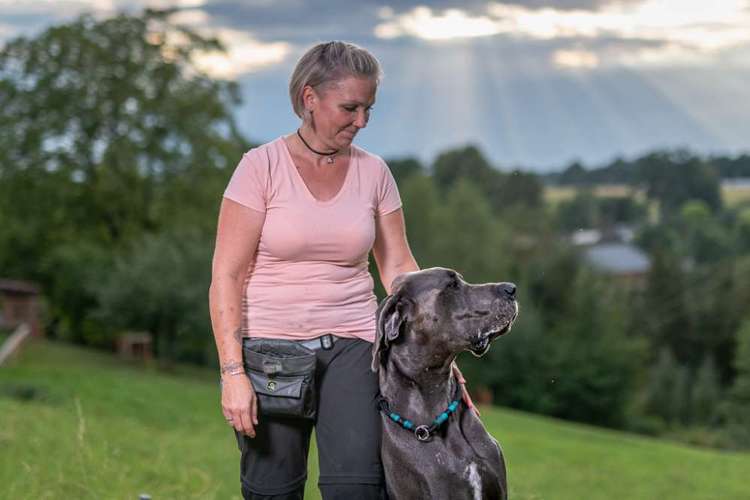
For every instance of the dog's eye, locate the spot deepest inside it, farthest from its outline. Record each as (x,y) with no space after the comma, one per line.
(453,283)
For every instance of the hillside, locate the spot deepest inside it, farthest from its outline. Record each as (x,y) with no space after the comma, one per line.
(76,423)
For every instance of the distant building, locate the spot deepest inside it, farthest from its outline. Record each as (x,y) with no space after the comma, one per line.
(586,237)
(135,345)
(611,252)
(20,304)
(735,182)
(621,233)
(623,260)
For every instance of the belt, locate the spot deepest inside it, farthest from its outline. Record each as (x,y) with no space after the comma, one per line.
(323,342)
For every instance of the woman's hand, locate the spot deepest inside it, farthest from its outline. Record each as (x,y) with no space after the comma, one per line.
(239,404)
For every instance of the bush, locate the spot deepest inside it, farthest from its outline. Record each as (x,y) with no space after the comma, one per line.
(161,286)
(706,394)
(666,393)
(737,410)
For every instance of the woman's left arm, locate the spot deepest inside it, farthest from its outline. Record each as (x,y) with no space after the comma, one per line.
(391,250)
(393,257)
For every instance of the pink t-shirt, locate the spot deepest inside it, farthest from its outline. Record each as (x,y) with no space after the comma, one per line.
(310,274)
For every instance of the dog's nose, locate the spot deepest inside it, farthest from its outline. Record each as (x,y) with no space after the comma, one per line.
(506,290)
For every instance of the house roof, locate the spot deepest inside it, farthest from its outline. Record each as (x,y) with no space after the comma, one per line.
(618,258)
(21,287)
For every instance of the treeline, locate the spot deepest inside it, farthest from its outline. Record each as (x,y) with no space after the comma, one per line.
(114,152)
(635,172)
(660,354)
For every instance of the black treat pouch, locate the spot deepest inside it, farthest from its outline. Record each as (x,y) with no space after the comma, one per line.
(282,373)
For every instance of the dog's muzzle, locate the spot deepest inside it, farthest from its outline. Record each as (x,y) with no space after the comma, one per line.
(481,343)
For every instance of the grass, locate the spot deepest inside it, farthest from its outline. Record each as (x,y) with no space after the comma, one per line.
(76,423)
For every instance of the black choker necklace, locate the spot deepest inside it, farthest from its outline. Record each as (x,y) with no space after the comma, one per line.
(329,155)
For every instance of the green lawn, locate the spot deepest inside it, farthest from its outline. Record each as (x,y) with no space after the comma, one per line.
(79,424)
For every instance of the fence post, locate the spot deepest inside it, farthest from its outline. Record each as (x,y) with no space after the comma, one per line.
(13,343)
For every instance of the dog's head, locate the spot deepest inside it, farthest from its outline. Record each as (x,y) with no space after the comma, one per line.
(437,307)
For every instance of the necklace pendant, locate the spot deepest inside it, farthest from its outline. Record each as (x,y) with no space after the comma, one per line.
(329,160)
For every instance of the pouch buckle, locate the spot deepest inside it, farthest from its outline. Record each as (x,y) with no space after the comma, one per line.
(271,366)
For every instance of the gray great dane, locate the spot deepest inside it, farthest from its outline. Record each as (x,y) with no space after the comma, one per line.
(434,448)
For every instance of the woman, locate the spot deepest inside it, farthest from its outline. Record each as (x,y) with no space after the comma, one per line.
(297,222)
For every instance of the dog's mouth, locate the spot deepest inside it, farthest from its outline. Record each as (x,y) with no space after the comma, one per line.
(481,343)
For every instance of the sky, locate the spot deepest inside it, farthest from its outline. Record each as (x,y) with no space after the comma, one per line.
(534,84)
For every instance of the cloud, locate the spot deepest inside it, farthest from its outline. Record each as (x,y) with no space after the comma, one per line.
(563,5)
(688,36)
(575,58)
(423,23)
(26,17)
(244,55)
(565,34)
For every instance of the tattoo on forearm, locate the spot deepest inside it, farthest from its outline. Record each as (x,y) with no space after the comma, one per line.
(238,335)
(229,367)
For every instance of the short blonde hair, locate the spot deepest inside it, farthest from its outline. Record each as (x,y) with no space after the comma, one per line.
(328,63)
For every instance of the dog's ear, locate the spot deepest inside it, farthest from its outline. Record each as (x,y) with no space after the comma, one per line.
(389,319)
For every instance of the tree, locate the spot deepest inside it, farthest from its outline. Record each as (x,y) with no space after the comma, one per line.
(421,213)
(550,275)
(470,239)
(707,240)
(580,212)
(500,189)
(422,218)
(593,360)
(107,132)
(666,321)
(517,366)
(706,394)
(673,178)
(742,231)
(107,115)
(738,407)
(160,285)
(403,168)
(621,209)
(666,394)
(518,188)
(575,173)
(465,163)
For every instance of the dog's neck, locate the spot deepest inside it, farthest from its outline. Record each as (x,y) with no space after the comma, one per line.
(421,391)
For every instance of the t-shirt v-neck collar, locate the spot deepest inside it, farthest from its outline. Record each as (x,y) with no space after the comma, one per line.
(304,184)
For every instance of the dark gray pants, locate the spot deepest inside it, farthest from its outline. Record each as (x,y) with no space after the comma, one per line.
(273,465)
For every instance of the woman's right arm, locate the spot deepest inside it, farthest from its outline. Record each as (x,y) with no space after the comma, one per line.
(237,235)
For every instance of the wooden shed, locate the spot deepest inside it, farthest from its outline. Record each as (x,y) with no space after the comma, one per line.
(19,303)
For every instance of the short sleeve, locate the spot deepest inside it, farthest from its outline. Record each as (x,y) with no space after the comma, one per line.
(388,196)
(249,184)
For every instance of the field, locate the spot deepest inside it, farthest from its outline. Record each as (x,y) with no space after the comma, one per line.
(75,423)
(556,194)
(731,195)
(735,194)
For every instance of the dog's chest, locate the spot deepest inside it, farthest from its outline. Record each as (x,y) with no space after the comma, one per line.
(469,473)
(434,470)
